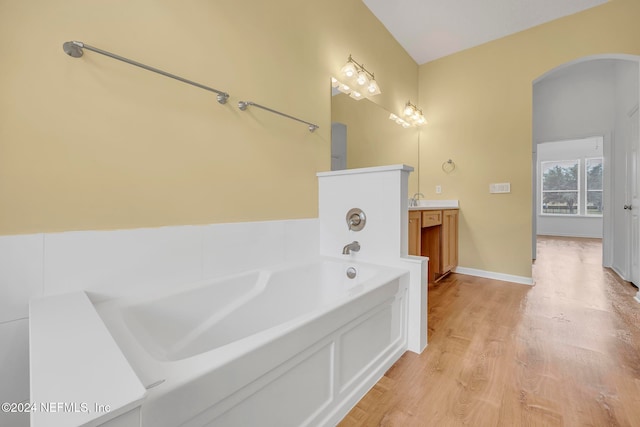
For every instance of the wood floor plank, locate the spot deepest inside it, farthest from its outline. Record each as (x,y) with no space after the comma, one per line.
(564,352)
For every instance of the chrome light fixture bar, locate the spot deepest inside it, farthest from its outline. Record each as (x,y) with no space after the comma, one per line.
(75,50)
(242,105)
(356,81)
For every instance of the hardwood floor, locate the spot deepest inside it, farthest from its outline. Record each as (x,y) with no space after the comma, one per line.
(565,352)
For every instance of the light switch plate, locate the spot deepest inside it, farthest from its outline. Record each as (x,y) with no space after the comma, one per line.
(503,187)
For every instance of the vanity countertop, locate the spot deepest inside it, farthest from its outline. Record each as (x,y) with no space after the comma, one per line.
(425,205)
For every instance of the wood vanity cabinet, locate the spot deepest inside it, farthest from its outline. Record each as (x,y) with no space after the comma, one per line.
(434,234)
(449,240)
(414,232)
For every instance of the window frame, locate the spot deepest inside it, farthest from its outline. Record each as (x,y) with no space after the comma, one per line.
(578,190)
(586,186)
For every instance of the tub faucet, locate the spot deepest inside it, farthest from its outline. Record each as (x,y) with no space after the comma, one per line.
(353,246)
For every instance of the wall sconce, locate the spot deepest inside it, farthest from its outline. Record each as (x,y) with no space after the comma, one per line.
(412,116)
(356,81)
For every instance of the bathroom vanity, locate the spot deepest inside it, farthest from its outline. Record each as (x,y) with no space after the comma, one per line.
(433,232)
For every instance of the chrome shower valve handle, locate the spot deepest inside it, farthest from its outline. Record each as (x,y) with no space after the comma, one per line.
(356,219)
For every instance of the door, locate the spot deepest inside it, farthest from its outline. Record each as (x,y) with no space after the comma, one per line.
(338,146)
(633,204)
(449,240)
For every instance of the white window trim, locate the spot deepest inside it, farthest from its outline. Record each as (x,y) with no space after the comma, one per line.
(542,191)
(586,187)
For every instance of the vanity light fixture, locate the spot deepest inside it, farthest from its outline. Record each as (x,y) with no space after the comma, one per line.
(356,81)
(399,120)
(356,95)
(412,116)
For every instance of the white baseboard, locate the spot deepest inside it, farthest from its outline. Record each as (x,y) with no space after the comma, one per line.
(619,273)
(493,275)
(578,235)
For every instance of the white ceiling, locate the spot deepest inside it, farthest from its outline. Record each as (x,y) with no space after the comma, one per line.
(431,29)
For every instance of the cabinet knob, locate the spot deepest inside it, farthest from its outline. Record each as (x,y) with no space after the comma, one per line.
(628,207)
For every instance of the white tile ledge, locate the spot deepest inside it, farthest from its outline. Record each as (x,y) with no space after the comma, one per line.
(74,361)
(400,167)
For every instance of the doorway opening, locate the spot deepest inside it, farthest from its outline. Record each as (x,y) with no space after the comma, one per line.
(591,96)
(570,195)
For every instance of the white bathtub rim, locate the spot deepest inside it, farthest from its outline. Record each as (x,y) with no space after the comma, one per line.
(179,372)
(227,353)
(142,295)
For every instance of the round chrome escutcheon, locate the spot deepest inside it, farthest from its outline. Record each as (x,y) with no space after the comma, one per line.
(352,272)
(356,219)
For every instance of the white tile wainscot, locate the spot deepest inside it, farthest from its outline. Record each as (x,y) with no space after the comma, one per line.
(14,370)
(21,270)
(114,263)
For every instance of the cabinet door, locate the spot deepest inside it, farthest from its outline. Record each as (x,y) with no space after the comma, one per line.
(415,230)
(449,240)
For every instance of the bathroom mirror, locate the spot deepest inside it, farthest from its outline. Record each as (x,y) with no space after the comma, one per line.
(363,136)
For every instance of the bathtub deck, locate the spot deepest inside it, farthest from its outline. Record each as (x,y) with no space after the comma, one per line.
(78,375)
(564,352)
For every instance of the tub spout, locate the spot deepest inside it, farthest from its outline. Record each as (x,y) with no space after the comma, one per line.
(353,246)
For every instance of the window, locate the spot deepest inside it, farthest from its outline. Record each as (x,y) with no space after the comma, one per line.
(562,192)
(593,178)
(561,187)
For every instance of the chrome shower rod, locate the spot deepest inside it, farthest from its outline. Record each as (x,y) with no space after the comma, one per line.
(244,104)
(75,49)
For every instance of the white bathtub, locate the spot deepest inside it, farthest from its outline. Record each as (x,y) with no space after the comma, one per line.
(290,346)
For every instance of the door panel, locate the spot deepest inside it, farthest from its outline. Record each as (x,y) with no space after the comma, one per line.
(634,187)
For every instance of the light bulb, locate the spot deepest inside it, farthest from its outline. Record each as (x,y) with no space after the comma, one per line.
(334,82)
(362,79)
(373,88)
(356,95)
(349,70)
(344,88)
(408,110)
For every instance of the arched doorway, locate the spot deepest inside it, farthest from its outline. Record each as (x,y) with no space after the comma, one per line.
(590,97)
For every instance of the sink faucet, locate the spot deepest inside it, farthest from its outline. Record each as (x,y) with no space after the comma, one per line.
(414,200)
(353,246)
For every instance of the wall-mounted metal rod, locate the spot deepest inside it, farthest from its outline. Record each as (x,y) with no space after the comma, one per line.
(244,104)
(74,49)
